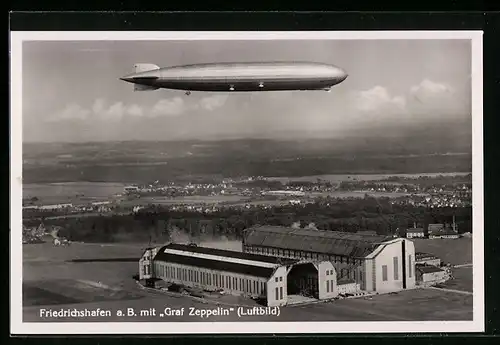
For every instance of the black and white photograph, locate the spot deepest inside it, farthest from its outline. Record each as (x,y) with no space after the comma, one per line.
(246,182)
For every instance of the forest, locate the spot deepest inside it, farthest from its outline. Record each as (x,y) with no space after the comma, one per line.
(156,223)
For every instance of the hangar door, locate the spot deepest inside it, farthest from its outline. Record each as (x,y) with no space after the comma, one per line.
(303,280)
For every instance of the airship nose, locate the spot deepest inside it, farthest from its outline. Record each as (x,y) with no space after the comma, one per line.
(337,74)
(342,75)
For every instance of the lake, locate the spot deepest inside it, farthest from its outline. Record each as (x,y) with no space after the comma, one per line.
(71,189)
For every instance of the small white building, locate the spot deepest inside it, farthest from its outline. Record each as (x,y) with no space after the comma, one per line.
(130,189)
(284,193)
(442,235)
(415,233)
(431,275)
(348,287)
(55,206)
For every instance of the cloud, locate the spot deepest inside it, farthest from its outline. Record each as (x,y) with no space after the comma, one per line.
(71,112)
(431,95)
(98,106)
(101,110)
(430,88)
(428,99)
(115,112)
(169,107)
(213,102)
(379,99)
(135,110)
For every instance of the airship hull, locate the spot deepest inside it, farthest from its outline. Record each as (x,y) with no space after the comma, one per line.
(241,77)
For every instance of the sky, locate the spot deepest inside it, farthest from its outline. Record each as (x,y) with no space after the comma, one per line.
(72,91)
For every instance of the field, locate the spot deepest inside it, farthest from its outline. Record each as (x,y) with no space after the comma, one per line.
(417,305)
(455,252)
(52,193)
(437,148)
(462,279)
(335,178)
(52,280)
(359,194)
(193,200)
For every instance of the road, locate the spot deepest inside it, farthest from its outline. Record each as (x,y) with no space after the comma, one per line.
(451,290)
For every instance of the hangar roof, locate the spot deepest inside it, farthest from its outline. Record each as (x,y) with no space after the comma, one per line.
(414,230)
(222,260)
(255,271)
(317,241)
(229,253)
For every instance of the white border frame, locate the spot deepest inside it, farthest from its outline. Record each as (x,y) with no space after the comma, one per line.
(20,327)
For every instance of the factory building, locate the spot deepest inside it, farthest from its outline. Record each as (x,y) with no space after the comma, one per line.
(427,259)
(437,231)
(374,263)
(428,275)
(271,279)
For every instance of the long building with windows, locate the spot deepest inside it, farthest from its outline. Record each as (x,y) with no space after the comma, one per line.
(375,263)
(272,279)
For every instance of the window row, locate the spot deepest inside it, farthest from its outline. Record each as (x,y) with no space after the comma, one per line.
(145,270)
(350,273)
(217,280)
(279,293)
(329,286)
(301,254)
(395,266)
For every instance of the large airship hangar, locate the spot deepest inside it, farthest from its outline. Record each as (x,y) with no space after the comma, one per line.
(279,265)
(237,77)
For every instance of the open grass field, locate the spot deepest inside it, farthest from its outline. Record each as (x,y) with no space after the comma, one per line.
(462,279)
(455,252)
(357,194)
(416,305)
(419,304)
(53,280)
(193,200)
(335,178)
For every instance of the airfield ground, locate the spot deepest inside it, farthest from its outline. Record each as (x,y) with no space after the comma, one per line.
(102,278)
(462,279)
(452,251)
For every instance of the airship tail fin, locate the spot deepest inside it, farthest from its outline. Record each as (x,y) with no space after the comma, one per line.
(144,67)
(139,87)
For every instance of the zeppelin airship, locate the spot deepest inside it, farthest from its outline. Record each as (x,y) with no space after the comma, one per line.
(237,77)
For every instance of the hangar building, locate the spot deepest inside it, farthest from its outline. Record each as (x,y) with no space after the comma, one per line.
(272,279)
(375,263)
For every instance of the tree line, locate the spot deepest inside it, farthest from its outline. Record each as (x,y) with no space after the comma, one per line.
(350,215)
